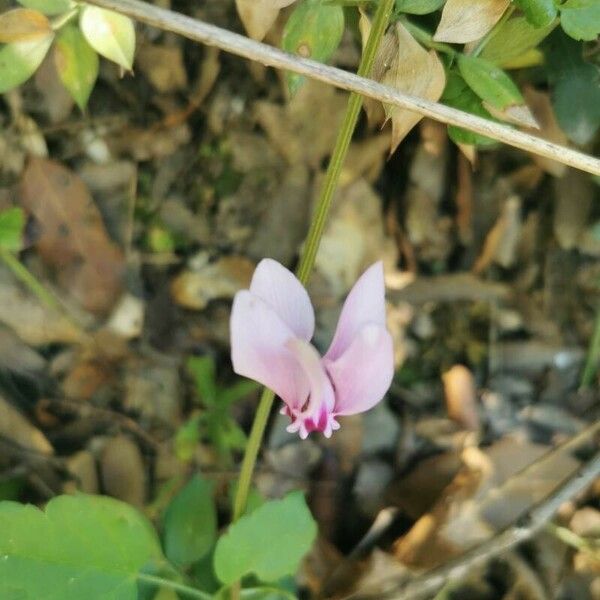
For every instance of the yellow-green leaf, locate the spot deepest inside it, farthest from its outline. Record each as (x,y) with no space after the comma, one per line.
(76,63)
(513,39)
(314,30)
(22,24)
(19,60)
(48,7)
(110,34)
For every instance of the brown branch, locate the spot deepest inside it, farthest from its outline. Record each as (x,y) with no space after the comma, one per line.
(242,46)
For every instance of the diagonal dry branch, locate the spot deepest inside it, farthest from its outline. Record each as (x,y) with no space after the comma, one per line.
(237,44)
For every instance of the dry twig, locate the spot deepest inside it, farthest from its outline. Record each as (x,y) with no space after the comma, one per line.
(242,46)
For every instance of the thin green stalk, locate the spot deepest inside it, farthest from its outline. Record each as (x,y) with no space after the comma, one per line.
(21,272)
(593,356)
(181,588)
(423,36)
(313,238)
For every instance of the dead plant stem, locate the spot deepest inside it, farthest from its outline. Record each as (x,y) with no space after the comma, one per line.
(242,46)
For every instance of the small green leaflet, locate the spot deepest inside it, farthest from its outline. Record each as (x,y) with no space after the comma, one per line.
(314,30)
(110,34)
(12,222)
(269,542)
(539,13)
(76,63)
(581,19)
(19,60)
(459,95)
(82,546)
(190,523)
(489,82)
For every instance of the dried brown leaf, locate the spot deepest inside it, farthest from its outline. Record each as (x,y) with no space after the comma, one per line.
(22,24)
(517,114)
(468,20)
(258,16)
(72,238)
(541,107)
(412,70)
(501,243)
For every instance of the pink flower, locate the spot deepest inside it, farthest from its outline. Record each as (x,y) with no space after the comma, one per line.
(271,327)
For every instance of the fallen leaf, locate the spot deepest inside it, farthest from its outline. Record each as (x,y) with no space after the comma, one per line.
(412,70)
(195,288)
(461,398)
(258,16)
(123,471)
(541,107)
(501,242)
(32,321)
(573,201)
(163,66)
(15,428)
(21,24)
(466,21)
(72,239)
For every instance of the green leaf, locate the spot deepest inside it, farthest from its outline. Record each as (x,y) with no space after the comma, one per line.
(12,223)
(110,34)
(489,82)
(576,101)
(187,438)
(77,64)
(418,7)
(203,370)
(270,542)
(313,30)
(576,91)
(512,39)
(540,13)
(88,547)
(190,523)
(581,19)
(459,95)
(19,60)
(48,7)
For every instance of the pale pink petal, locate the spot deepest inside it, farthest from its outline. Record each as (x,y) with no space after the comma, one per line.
(364,305)
(282,291)
(363,374)
(258,349)
(317,414)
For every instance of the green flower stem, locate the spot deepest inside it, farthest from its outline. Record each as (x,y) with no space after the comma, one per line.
(313,238)
(186,590)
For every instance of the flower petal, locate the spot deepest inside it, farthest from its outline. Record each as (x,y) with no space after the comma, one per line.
(258,349)
(282,291)
(364,305)
(317,414)
(363,374)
